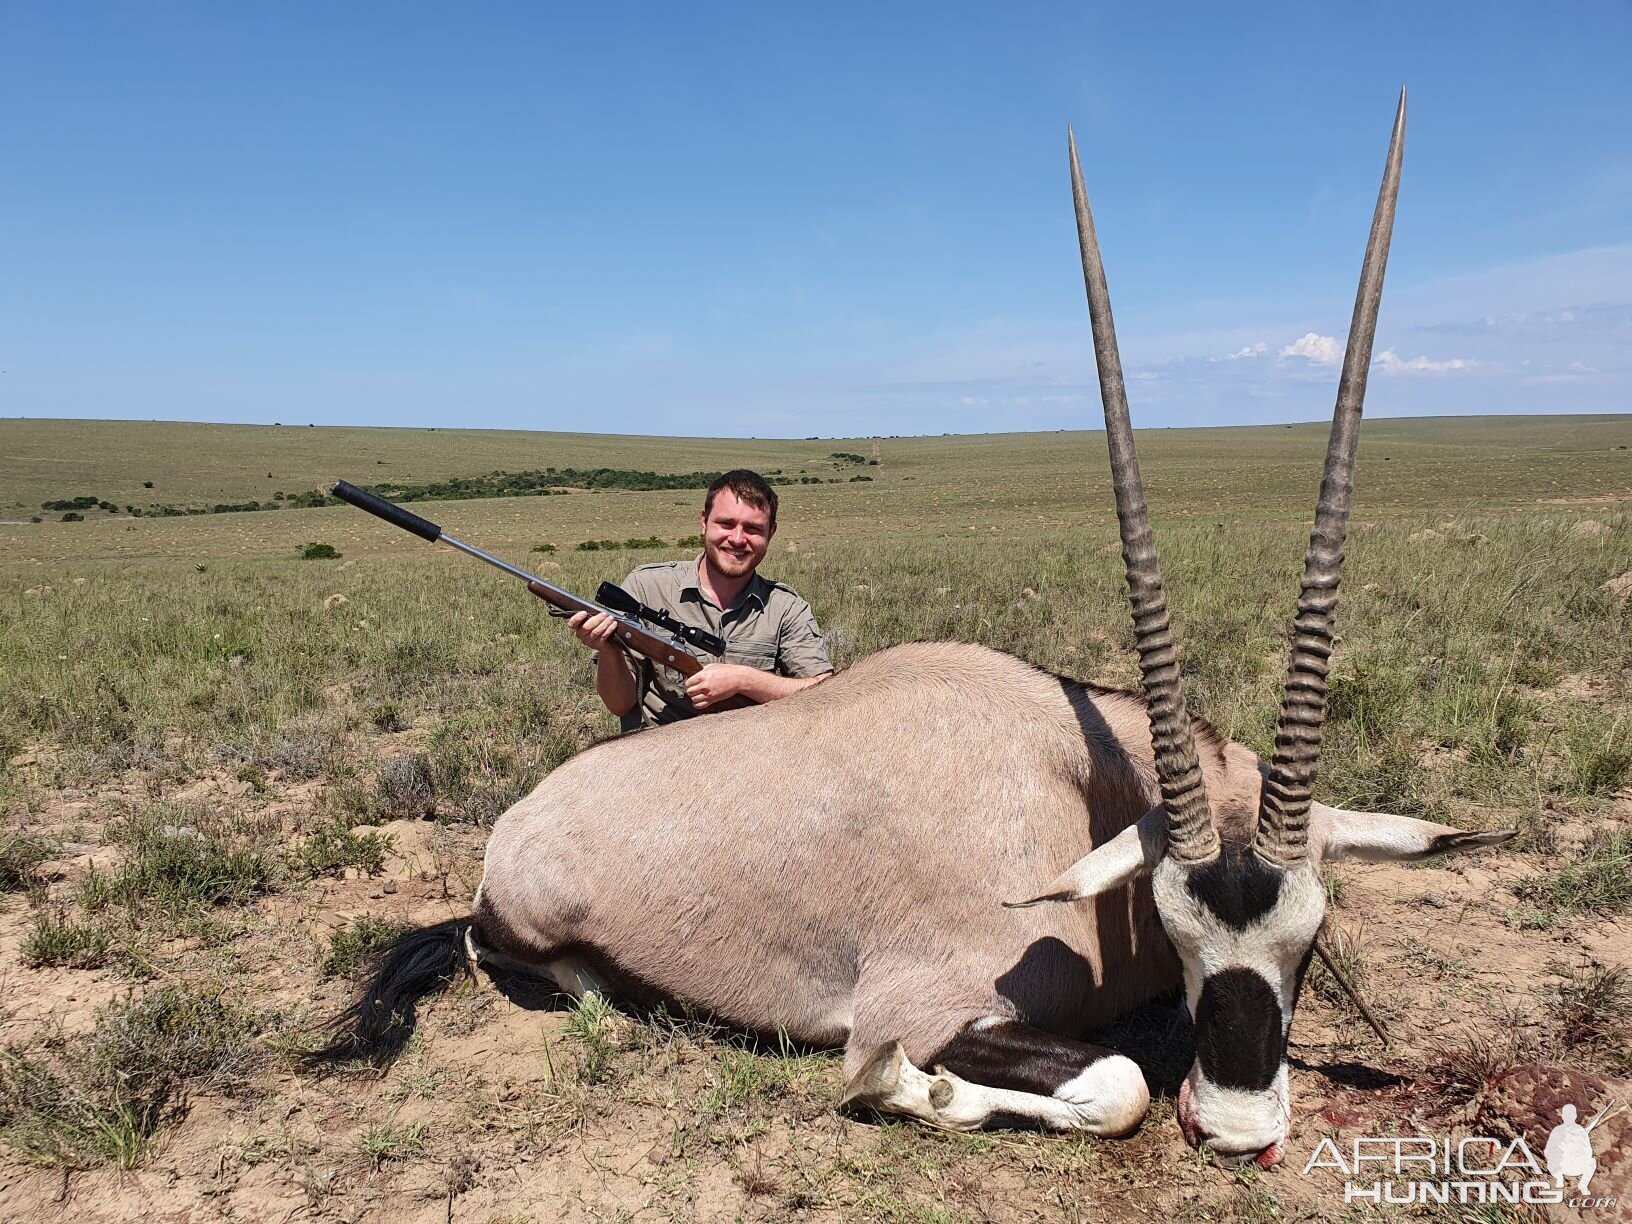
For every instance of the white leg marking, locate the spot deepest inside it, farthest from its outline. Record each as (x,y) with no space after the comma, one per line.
(483,956)
(1110,1095)
(946,1100)
(577,979)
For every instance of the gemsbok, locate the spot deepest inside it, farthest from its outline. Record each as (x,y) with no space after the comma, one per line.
(833,866)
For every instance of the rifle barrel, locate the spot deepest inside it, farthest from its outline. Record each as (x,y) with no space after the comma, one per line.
(427,530)
(631,634)
(512,570)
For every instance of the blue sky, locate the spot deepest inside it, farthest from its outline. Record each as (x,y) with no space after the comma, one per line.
(780,221)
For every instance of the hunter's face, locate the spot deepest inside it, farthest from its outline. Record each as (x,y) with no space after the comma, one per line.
(736,535)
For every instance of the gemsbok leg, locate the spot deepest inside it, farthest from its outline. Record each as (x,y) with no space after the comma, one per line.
(999,1072)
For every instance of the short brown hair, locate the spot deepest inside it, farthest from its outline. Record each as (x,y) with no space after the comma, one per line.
(750,487)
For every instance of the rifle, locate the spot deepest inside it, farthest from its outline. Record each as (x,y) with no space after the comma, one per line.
(630,634)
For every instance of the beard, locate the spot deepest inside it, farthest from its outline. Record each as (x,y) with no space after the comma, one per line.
(729,566)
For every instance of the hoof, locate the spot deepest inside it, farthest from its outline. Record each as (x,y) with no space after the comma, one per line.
(878,1078)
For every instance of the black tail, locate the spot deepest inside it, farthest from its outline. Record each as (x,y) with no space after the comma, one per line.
(379,1023)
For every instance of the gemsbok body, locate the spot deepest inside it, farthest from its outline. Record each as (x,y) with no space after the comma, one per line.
(893,862)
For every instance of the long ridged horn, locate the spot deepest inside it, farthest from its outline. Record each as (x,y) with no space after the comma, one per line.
(1191,837)
(1283,810)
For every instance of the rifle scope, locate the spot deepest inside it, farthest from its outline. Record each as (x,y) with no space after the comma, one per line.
(619,600)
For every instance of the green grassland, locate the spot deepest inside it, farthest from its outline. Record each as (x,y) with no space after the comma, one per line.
(149,668)
(919,485)
(1470,590)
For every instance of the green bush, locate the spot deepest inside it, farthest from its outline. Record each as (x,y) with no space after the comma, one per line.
(318,552)
(333,848)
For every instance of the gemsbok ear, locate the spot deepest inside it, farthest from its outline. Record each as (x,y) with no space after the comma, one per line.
(1132,853)
(1377,837)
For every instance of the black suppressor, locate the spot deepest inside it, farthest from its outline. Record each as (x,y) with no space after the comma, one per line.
(619,600)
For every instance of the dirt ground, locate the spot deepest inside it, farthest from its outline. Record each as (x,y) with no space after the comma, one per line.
(504,1109)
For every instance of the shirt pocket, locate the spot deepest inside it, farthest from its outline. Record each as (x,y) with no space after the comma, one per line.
(759,655)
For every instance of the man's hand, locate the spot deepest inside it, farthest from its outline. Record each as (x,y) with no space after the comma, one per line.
(719,682)
(613,679)
(594,629)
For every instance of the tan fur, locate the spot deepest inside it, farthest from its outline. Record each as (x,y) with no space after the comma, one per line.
(832,865)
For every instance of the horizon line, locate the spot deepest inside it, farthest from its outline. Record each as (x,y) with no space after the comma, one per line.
(991,433)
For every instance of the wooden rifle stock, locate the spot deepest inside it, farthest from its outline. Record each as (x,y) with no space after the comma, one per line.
(629,634)
(633,637)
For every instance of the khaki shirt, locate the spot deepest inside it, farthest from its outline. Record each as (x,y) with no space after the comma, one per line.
(767,626)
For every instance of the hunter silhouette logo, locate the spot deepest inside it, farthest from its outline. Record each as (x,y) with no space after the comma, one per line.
(1569,1147)
(1476,1169)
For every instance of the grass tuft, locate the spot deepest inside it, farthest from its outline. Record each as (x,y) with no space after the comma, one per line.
(59,941)
(352,947)
(104,1099)
(591,1025)
(332,848)
(392,1141)
(1592,1010)
(1598,882)
(20,857)
(173,868)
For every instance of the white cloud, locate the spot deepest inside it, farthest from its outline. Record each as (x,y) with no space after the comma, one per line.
(1321,350)
(1247,350)
(1392,363)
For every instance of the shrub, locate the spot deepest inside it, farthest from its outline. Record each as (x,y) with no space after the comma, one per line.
(73,517)
(403,787)
(302,748)
(386,717)
(319,552)
(543,548)
(333,848)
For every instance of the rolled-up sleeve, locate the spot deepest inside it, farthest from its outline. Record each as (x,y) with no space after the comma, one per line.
(801,648)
